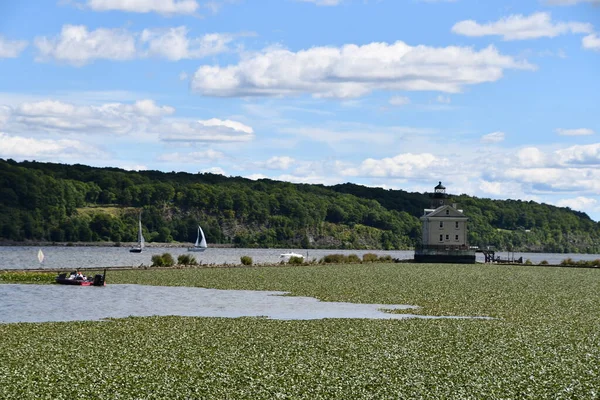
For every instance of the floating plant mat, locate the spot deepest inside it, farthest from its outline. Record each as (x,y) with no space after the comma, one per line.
(48,303)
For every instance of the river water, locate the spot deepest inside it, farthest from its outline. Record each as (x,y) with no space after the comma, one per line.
(58,257)
(46,303)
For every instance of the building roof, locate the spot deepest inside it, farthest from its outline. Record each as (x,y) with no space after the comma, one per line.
(440,212)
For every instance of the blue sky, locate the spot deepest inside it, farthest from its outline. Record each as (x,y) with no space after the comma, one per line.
(496,99)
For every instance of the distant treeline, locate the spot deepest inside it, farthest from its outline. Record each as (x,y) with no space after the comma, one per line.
(77,203)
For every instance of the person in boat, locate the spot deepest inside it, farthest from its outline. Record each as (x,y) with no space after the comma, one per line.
(79,276)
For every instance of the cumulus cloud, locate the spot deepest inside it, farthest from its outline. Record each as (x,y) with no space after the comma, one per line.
(519,27)
(352,71)
(400,166)
(51,116)
(277,162)
(591,42)
(494,137)
(531,157)
(174,43)
(165,7)
(26,147)
(579,203)
(11,48)
(78,46)
(195,157)
(574,132)
(579,154)
(212,130)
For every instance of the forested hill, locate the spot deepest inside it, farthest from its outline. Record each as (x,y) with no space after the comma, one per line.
(77,203)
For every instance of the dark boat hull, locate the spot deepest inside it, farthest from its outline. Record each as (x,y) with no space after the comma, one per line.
(135,250)
(99,280)
(75,282)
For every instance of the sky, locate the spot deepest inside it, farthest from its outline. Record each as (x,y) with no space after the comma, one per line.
(495,99)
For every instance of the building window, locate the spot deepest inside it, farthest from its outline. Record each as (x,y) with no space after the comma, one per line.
(447,237)
(456,238)
(441,238)
(447,212)
(456,224)
(441,224)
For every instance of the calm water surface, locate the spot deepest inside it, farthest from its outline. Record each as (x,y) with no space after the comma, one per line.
(45,303)
(25,257)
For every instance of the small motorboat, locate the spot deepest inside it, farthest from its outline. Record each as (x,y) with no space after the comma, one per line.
(97,280)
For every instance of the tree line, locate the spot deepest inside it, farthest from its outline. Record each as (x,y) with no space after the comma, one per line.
(77,203)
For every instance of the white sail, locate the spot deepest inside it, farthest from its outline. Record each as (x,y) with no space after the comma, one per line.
(40,256)
(200,244)
(140,236)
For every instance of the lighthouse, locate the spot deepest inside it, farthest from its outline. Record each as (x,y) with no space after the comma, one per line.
(444,232)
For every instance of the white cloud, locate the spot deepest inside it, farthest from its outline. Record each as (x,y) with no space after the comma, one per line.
(400,166)
(399,101)
(574,132)
(353,71)
(580,154)
(323,2)
(519,27)
(531,157)
(591,42)
(197,157)
(494,137)
(174,44)
(78,46)
(166,7)
(443,99)
(51,116)
(212,130)
(277,162)
(25,147)
(11,48)
(580,203)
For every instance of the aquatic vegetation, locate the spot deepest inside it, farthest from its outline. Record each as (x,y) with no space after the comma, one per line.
(163,260)
(246,260)
(186,259)
(296,260)
(543,344)
(27,277)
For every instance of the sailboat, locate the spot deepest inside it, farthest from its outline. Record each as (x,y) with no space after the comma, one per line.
(200,244)
(140,245)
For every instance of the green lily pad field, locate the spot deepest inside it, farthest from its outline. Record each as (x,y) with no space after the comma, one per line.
(542,343)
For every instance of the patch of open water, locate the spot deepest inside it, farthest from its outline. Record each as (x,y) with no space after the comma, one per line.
(49,303)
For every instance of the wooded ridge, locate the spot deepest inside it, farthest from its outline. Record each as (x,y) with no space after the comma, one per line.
(77,203)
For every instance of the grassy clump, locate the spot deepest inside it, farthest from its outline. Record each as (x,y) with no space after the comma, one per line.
(296,260)
(186,259)
(569,262)
(340,259)
(27,277)
(370,257)
(246,260)
(163,260)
